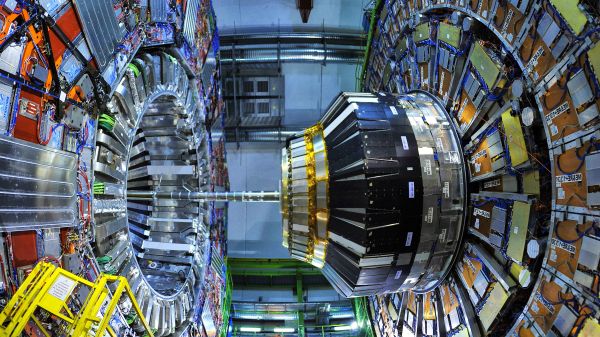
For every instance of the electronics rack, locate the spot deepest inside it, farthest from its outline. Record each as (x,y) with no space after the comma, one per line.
(64,69)
(521,82)
(217,296)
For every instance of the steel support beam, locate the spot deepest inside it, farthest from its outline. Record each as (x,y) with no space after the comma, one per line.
(264,264)
(276,273)
(300,299)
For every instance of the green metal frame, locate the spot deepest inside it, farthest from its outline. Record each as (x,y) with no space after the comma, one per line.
(226,308)
(300,299)
(361,312)
(270,267)
(291,267)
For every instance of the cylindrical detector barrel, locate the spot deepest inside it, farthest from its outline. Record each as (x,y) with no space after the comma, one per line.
(392,193)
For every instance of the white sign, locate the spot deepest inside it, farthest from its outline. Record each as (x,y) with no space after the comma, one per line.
(62,287)
(404,142)
(481,212)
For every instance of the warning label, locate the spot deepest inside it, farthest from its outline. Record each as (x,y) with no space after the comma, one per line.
(557,112)
(478,155)
(568,178)
(62,287)
(492,183)
(481,212)
(429,215)
(564,246)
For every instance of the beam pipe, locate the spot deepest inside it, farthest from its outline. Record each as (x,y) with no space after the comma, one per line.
(245,196)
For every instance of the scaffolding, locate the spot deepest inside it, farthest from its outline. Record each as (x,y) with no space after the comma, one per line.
(50,298)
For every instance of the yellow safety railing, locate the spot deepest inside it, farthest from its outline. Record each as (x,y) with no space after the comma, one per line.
(51,288)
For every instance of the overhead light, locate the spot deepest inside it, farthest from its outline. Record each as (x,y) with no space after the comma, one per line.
(342,328)
(284,330)
(250,316)
(352,326)
(342,314)
(250,329)
(284,317)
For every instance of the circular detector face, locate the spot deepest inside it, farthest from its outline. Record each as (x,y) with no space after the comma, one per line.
(151,138)
(163,233)
(523,99)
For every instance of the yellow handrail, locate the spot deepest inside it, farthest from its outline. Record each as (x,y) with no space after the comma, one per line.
(50,288)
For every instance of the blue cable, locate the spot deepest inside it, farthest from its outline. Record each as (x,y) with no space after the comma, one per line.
(58,125)
(21,5)
(427,42)
(588,33)
(403,55)
(579,234)
(594,144)
(495,98)
(83,196)
(501,203)
(482,302)
(82,141)
(450,47)
(40,234)
(483,203)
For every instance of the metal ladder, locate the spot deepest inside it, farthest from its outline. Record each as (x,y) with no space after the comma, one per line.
(52,289)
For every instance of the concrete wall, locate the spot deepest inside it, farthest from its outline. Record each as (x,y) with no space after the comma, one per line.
(254,229)
(310,87)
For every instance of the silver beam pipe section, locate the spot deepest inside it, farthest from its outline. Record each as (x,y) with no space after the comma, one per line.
(298,54)
(291,35)
(271,196)
(244,136)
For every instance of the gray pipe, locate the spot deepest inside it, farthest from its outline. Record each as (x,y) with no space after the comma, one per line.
(293,55)
(272,196)
(260,135)
(286,35)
